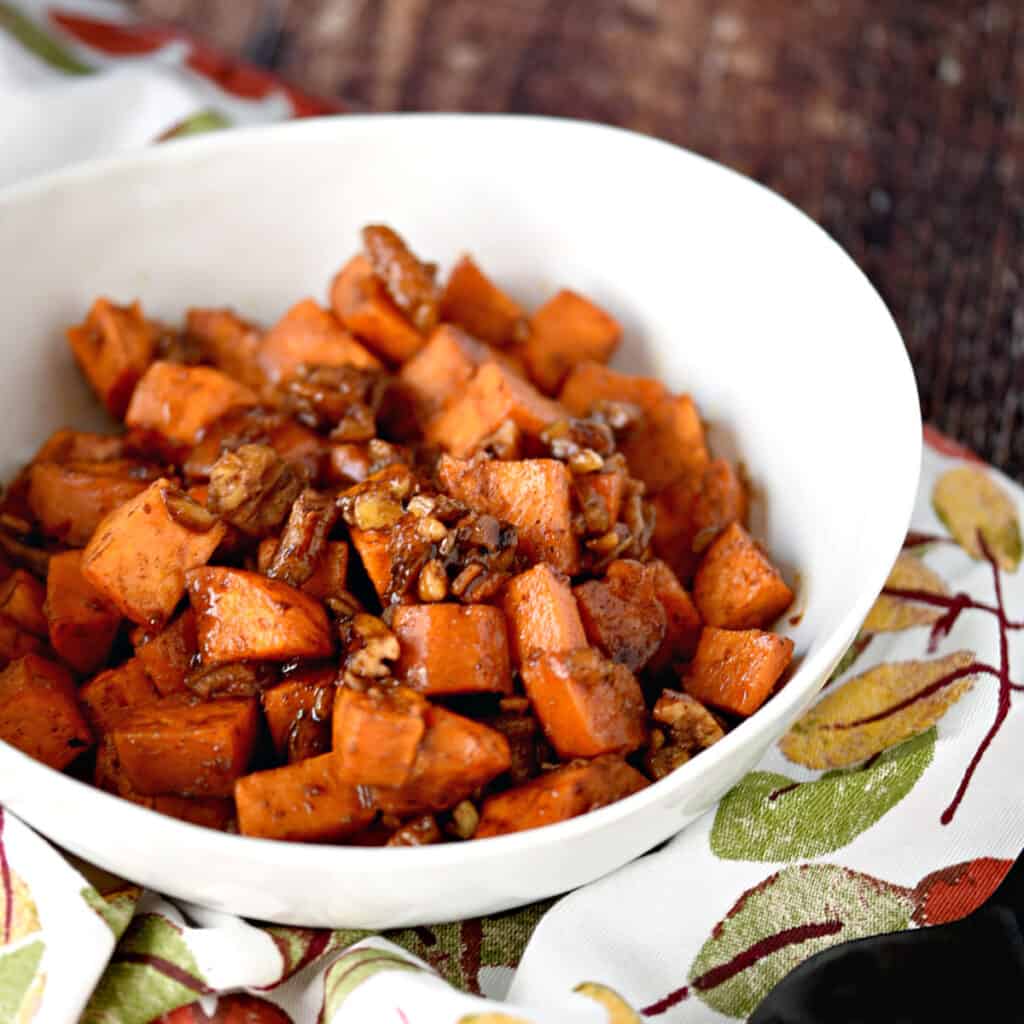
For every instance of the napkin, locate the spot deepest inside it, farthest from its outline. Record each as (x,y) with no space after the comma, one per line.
(894,803)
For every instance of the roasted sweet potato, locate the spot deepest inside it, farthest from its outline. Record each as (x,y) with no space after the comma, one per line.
(374,550)
(453,648)
(441,370)
(81,623)
(245,616)
(15,643)
(474,302)
(108,696)
(736,670)
(736,587)
(178,745)
(66,445)
(138,557)
(682,620)
(361,302)
(331,572)
(534,495)
(586,704)
(590,382)
(230,343)
(558,795)
(622,615)
(667,445)
(600,497)
(113,347)
(567,330)
(309,334)
(542,613)
(40,713)
(298,711)
(22,597)
(168,653)
(303,802)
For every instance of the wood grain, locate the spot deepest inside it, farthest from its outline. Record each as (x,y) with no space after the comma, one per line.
(898,126)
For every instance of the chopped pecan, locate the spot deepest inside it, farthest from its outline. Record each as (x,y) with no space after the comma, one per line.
(464,820)
(253,488)
(568,437)
(302,543)
(369,645)
(187,512)
(174,346)
(236,679)
(691,725)
(419,832)
(343,399)
(408,281)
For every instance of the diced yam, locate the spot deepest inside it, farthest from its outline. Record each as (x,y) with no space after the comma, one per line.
(82,624)
(682,620)
(564,793)
(298,711)
(453,648)
(329,576)
(310,334)
(377,734)
(668,444)
(40,713)
(736,670)
(473,301)
(534,495)
(15,642)
(187,747)
(374,550)
(361,302)
(138,557)
(542,614)
(690,724)
(108,696)
(441,369)
(180,402)
(230,343)
(455,758)
(494,394)
(22,597)
(590,382)
(622,615)
(113,347)
(70,501)
(736,587)
(303,802)
(168,654)
(67,445)
(566,331)
(600,497)
(586,704)
(245,616)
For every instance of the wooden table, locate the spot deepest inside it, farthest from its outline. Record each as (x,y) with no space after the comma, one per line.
(897,124)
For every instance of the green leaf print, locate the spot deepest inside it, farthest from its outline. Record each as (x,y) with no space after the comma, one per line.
(116,909)
(39,42)
(789,917)
(17,975)
(771,817)
(351,969)
(196,124)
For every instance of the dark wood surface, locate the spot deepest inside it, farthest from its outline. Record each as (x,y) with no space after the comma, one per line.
(897,124)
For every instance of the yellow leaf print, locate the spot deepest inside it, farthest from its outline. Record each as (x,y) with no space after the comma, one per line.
(22,917)
(969,501)
(891,614)
(619,1011)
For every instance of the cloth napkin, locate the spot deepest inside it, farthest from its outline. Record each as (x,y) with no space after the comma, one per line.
(895,802)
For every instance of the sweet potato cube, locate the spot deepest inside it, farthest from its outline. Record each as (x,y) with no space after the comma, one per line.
(377,735)
(542,614)
(15,643)
(180,402)
(69,501)
(245,616)
(40,713)
(558,795)
(138,557)
(473,301)
(494,394)
(21,599)
(230,343)
(310,334)
(329,576)
(736,670)
(298,711)
(534,495)
(303,802)
(590,382)
(586,704)
(622,615)
(113,347)
(441,369)
(453,648)
(567,330)
(682,620)
(108,696)
(168,653)
(82,624)
(66,445)
(669,444)
(456,757)
(600,497)
(736,587)
(361,302)
(374,550)
(187,747)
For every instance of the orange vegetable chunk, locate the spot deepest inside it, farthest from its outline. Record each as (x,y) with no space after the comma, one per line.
(682,620)
(736,670)
(179,745)
(542,613)
(299,711)
(586,704)
(138,557)
(534,495)
(473,301)
(453,648)
(374,550)
(22,597)
(558,795)
(109,695)
(441,369)
(600,498)
(303,802)
(230,343)
(245,616)
(66,445)
(168,654)
(668,444)
(736,587)
(329,576)
(113,347)
(40,713)
(591,382)
(81,623)
(15,642)
(567,330)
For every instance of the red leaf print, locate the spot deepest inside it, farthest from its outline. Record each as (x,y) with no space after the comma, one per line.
(954,892)
(112,37)
(233,1009)
(947,446)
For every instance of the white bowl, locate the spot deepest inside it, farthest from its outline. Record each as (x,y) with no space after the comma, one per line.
(723,289)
